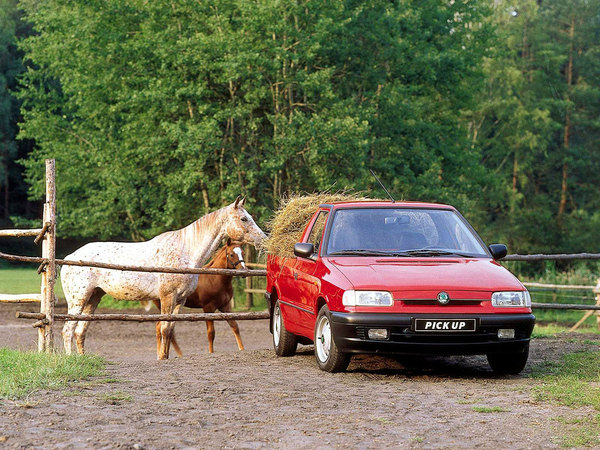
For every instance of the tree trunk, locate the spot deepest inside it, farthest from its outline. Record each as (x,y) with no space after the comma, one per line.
(6,194)
(565,168)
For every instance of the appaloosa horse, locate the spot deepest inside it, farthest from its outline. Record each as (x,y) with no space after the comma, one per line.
(214,292)
(189,247)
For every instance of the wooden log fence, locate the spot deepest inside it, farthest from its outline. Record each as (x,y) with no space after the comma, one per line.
(571,306)
(20,298)
(20,233)
(198,317)
(177,270)
(48,262)
(553,257)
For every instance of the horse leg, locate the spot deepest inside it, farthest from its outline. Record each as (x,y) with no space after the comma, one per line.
(173,341)
(76,305)
(82,325)
(234,326)
(210,327)
(236,332)
(174,344)
(167,306)
(157,326)
(210,332)
(158,335)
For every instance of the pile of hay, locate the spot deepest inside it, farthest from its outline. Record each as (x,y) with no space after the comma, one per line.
(291,218)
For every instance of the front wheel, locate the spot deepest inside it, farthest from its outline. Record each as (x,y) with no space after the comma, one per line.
(328,355)
(509,363)
(284,342)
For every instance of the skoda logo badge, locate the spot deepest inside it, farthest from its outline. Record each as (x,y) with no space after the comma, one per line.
(443,298)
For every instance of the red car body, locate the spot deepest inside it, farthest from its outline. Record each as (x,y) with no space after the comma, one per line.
(303,285)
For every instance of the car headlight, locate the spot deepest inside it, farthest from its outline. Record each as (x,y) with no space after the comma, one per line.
(367,298)
(508,299)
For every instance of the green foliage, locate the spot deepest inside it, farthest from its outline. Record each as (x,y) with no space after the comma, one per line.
(159,112)
(21,373)
(537,124)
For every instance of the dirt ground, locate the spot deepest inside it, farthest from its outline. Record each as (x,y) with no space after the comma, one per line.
(252,399)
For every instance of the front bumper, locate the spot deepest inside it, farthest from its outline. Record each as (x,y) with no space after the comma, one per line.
(350,334)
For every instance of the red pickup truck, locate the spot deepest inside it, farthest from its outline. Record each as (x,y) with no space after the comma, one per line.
(397,278)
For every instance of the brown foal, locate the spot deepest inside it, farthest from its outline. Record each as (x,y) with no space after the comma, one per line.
(214,292)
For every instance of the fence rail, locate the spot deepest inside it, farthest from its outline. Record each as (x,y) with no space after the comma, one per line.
(255,315)
(193,271)
(560,286)
(20,298)
(571,306)
(20,233)
(551,257)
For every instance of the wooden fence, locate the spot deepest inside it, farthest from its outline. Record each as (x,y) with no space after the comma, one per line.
(46,317)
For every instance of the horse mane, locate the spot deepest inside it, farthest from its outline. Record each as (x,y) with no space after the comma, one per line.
(217,255)
(191,233)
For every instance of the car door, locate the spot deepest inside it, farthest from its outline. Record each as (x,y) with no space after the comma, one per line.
(308,284)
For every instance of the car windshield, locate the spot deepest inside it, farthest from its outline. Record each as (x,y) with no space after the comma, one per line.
(402,232)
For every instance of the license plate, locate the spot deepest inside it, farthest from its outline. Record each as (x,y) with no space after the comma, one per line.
(445,325)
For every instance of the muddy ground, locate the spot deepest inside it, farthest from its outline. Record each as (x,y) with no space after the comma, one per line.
(253,399)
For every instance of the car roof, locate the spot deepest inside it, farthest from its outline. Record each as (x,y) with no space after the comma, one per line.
(385,204)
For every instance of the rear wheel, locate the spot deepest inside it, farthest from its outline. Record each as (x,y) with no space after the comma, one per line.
(284,342)
(328,356)
(509,363)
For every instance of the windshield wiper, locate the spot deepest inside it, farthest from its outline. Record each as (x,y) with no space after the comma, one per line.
(360,252)
(436,252)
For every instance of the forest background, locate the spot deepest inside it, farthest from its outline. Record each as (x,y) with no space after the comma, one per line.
(158,112)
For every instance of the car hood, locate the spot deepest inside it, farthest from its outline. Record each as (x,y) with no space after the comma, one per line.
(426,274)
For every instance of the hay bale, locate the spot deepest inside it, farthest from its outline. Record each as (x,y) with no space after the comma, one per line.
(291,218)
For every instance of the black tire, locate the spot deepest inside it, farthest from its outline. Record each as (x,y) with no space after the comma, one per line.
(284,342)
(328,355)
(509,363)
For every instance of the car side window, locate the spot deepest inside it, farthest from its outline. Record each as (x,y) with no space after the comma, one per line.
(316,233)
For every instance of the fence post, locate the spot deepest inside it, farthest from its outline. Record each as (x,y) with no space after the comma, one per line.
(249,295)
(597,291)
(45,334)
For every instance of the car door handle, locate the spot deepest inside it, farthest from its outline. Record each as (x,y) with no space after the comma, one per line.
(296,276)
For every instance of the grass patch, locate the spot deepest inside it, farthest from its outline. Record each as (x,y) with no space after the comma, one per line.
(551,330)
(489,409)
(117,398)
(23,281)
(22,373)
(580,432)
(574,383)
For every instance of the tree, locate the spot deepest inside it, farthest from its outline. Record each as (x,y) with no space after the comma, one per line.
(159,111)
(537,124)
(12,188)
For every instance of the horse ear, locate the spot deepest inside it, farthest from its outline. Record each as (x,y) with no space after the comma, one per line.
(237,201)
(228,242)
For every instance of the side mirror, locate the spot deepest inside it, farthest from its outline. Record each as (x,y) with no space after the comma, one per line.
(304,249)
(498,251)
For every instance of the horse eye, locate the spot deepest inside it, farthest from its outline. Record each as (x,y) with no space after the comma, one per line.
(244,219)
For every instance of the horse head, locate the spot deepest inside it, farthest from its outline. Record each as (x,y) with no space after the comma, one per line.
(234,255)
(240,226)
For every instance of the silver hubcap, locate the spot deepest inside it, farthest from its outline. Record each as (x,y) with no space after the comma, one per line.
(276,325)
(323,339)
